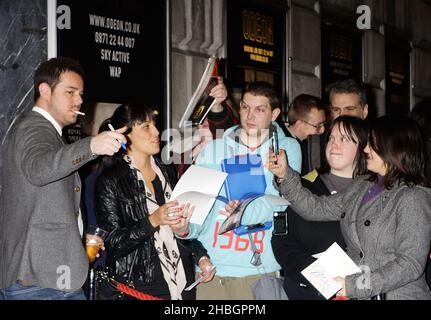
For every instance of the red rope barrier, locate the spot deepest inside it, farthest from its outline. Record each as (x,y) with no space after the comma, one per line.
(135,293)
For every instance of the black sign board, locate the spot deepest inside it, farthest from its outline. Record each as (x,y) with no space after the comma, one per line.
(256,42)
(397,78)
(341,55)
(121,45)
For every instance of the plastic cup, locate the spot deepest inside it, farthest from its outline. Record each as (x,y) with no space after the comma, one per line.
(93,245)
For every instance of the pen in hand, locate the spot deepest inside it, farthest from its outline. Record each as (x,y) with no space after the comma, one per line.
(123,145)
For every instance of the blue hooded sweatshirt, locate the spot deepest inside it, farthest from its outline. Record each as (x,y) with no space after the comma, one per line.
(231,254)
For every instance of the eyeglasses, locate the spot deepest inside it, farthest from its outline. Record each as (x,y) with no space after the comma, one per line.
(316,126)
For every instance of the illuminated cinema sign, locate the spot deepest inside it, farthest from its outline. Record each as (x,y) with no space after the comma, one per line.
(256,42)
(258,29)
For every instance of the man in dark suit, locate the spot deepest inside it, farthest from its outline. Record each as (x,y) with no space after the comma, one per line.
(41,251)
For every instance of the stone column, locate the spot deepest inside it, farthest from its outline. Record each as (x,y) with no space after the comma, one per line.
(197,33)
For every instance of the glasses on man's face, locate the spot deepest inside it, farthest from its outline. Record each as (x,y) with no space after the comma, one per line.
(318,127)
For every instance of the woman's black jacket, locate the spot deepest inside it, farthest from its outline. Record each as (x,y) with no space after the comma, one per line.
(121,210)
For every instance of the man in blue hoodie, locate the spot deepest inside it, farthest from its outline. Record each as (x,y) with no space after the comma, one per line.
(231,253)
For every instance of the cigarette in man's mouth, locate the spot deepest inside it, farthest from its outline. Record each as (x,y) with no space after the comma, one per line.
(79,112)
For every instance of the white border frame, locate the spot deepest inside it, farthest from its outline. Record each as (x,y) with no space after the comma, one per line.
(52,28)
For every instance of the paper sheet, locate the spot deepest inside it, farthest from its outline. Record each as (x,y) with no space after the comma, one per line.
(199,186)
(317,255)
(194,284)
(334,262)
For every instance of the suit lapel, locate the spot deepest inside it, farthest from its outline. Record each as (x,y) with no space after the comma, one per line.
(61,139)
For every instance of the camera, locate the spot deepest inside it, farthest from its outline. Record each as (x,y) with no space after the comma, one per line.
(280,223)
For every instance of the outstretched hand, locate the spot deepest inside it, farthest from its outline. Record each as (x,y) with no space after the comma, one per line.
(108,142)
(219,92)
(278,164)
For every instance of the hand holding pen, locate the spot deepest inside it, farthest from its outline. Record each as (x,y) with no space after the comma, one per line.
(109,142)
(123,145)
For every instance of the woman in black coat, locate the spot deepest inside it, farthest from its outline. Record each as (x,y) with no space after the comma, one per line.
(293,251)
(132,204)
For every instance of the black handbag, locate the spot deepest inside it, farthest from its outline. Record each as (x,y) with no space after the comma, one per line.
(106,286)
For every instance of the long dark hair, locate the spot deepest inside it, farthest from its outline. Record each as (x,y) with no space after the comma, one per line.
(353,127)
(398,141)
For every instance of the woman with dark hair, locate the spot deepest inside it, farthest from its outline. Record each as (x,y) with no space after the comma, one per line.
(132,204)
(385,217)
(346,158)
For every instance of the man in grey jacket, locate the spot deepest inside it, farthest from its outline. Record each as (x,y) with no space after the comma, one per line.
(41,251)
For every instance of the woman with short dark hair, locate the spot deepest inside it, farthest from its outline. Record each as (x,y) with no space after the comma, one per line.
(385,217)
(132,204)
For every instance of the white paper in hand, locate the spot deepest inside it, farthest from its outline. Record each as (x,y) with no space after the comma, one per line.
(332,263)
(337,262)
(321,280)
(199,186)
(206,276)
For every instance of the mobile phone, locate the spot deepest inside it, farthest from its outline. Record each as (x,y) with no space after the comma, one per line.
(280,223)
(245,229)
(274,141)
